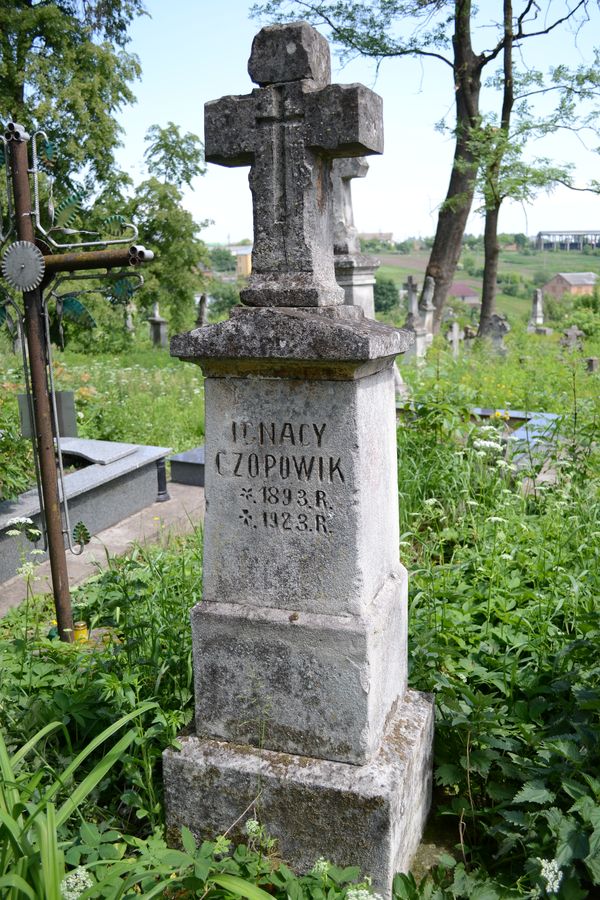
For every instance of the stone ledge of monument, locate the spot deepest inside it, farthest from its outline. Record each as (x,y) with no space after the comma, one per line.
(349,813)
(355,261)
(340,334)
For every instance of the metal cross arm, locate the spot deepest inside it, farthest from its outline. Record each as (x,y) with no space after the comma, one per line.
(26,268)
(288,131)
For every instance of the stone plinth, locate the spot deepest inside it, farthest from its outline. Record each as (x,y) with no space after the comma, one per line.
(356,275)
(371,815)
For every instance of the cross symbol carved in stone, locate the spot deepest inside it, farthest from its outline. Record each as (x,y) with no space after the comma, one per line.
(288,130)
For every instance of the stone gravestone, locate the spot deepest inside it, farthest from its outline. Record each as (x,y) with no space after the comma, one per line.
(537,310)
(572,338)
(536,322)
(303,716)
(592,364)
(354,271)
(202,311)
(498,327)
(158,328)
(454,336)
(414,321)
(427,308)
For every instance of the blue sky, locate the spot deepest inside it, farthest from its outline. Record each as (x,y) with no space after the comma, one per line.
(193,51)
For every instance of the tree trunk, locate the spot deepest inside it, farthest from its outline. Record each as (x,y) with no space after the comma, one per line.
(490,272)
(455,210)
(493,189)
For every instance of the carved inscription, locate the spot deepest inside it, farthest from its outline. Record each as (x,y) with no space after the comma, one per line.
(286,476)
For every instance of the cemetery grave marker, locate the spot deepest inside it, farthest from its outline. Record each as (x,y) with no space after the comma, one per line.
(572,338)
(414,321)
(354,271)
(302,711)
(28,268)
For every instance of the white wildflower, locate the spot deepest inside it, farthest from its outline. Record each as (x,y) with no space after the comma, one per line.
(253,828)
(75,883)
(362,894)
(321,867)
(496,519)
(431,501)
(551,874)
(481,444)
(19,520)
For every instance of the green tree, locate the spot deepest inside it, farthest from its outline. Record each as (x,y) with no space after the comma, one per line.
(439,30)
(173,159)
(499,145)
(222,259)
(385,295)
(64,69)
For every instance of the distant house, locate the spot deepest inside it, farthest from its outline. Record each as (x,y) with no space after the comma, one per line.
(384,237)
(574,283)
(459,290)
(243,258)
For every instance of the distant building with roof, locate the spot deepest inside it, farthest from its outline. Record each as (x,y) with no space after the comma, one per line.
(574,283)
(567,240)
(384,237)
(460,290)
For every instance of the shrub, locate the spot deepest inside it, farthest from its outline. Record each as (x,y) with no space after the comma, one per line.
(385,295)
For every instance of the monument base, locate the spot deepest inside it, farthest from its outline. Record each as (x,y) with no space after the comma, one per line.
(370,816)
(356,274)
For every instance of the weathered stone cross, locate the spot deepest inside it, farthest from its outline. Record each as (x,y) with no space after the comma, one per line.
(288,130)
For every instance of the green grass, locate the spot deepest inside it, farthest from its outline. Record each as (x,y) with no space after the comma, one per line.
(140,396)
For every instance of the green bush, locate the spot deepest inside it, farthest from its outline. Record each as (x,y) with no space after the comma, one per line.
(385,295)
(16,459)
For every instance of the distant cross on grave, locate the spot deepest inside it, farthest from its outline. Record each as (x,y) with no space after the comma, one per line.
(288,131)
(537,310)
(413,318)
(427,307)
(345,234)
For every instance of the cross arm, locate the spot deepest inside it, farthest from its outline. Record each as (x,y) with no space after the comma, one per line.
(345,120)
(229,128)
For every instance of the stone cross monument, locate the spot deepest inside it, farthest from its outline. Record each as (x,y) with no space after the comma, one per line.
(158,328)
(427,308)
(414,321)
(354,271)
(288,131)
(537,311)
(303,717)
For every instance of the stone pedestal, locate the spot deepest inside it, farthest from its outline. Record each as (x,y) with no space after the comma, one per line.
(370,816)
(300,641)
(355,273)
(158,328)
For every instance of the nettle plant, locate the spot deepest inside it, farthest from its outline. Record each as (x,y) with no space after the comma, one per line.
(504,582)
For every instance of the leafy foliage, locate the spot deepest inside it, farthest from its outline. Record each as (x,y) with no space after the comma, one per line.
(174,157)
(385,294)
(504,631)
(16,462)
(63,68)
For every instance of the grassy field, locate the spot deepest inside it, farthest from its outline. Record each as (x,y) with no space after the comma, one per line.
(536,266)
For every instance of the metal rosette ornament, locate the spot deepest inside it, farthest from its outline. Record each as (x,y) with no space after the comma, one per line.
(23,266)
